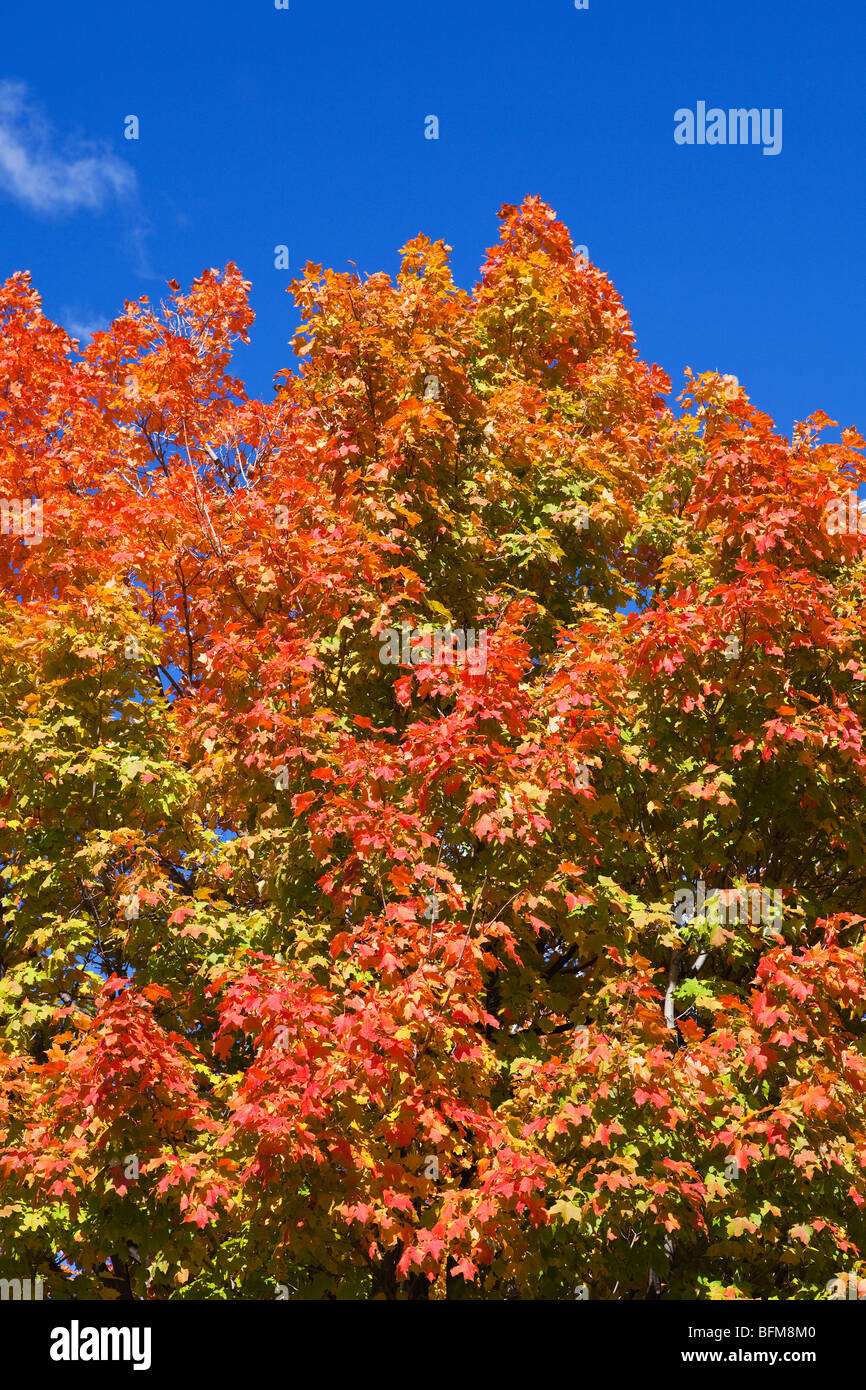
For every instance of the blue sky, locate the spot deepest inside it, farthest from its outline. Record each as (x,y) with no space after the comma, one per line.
(305,127)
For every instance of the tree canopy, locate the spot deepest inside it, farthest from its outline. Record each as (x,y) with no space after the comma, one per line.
(328,976)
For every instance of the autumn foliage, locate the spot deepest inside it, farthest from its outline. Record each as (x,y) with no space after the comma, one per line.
(343,979)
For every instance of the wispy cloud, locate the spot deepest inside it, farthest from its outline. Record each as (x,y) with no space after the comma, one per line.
(48,174)
(82,327)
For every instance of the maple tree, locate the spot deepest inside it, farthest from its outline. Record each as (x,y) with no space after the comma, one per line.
(344,979)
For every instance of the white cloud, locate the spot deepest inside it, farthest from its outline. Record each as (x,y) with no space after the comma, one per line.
(47,176)
(81,327)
